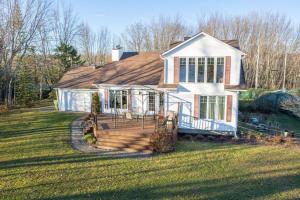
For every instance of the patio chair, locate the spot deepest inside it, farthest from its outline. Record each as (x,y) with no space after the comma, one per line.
(128,115)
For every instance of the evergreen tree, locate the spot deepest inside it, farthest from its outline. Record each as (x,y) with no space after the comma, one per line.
(26,90)
(67,56)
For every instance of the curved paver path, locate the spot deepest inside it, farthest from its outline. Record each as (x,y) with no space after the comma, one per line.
(79,144)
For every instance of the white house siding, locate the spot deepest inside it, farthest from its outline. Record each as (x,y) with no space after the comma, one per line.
(183,98)
(182,102)
(205,46)
(77,100)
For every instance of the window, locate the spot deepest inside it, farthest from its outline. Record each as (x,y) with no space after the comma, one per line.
(111,99)
(124,99)
(210,70)
(151,101)
(221,107)
(182,70)
(220,70)
(212,108)
(192,70)
(118,99)
(203,107)
(201,70)
(161,102)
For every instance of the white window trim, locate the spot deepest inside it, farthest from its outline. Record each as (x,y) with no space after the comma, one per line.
(116,99)
(205,69)
(216,107)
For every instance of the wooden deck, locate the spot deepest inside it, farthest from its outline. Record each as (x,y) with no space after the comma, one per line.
(125,134)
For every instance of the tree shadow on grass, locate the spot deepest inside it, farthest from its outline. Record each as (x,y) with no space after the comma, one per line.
(226,188)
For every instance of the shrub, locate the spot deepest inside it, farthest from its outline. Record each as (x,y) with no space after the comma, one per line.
(88,138)
(55,102)
(162,140)
(96,103)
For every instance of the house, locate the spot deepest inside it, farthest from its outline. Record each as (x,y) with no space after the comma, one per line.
(198,78)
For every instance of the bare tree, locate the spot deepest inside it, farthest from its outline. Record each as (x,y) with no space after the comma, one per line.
(94,46)
(19,24)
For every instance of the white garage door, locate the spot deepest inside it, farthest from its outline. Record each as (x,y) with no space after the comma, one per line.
(78,101)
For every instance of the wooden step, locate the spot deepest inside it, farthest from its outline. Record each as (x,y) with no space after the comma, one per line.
(123,145)
(124,133)
(127,149)
(124,139)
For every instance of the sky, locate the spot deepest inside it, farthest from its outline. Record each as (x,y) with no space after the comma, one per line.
(117,14)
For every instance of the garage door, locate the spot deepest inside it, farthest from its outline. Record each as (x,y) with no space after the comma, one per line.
(79,101)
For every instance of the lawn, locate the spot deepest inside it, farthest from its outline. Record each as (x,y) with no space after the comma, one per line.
(37,162)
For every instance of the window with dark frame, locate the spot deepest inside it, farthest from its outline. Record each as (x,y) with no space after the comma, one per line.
(182,70)
(192,70)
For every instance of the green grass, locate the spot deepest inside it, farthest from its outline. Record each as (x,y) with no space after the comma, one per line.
(36,162)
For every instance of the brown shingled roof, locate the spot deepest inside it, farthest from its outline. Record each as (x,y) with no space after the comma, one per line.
(141,69)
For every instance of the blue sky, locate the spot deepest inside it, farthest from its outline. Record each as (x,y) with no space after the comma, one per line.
(117,14)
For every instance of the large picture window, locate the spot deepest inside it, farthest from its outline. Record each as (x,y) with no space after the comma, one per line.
(182,70)
(192,70)
(210,70)
(212,107)
(220,70)
(201,70)
(118,99)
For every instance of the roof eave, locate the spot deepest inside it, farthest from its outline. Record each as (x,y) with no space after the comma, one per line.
(195,36)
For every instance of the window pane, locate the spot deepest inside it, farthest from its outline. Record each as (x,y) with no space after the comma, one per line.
(191,70)
(221,108)
(124,99)
(211,107)
(111,99)
(201,67)
(151,101)
(203,107)
(118,99)
(220,70)
(182,70)
(210,70)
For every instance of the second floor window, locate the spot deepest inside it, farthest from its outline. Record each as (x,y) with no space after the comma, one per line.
(192,70)
(210,70)
(201,70)
(220,70)
(182,70)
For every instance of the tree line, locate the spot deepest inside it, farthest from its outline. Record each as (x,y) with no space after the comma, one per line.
(41,40)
